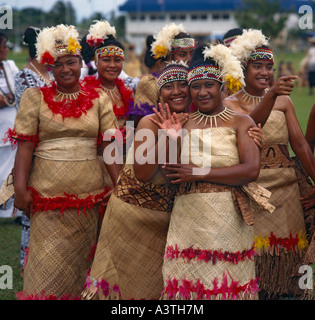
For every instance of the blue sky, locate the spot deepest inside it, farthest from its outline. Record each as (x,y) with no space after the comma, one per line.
(84,8)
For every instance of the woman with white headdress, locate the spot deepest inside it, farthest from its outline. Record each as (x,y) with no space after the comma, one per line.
(61,185)
(209,251)
(280,238)
(171,43)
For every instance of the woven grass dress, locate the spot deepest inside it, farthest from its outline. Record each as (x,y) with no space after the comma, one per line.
(66,182)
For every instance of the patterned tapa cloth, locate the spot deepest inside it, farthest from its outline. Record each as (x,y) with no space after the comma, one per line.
(129,255)
(64,170)
(209,250)
(279,238)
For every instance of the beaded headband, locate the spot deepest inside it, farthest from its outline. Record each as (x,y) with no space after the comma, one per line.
(109,51)
(227,41)
(183,43)
(204,72)
(261,54)
(171,74)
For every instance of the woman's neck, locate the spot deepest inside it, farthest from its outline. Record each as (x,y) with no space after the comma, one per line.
(109,84)
(216,110)
(73,89)
(36,66)
(254,91)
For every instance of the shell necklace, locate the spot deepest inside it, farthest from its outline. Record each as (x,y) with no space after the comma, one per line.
(224,115)
(250,98)
(47,81)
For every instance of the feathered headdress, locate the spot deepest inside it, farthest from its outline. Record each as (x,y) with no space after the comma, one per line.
(98,32)
(55,42)
(163,40)
(224,68)
(244,45)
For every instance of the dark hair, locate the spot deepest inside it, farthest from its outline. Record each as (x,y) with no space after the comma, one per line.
(87,54)
(149,60)
(112,41)
(182,35)
(30,39)
(3,36)
(198,57)
(233,32)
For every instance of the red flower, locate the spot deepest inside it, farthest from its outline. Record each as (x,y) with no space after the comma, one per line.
(47,58)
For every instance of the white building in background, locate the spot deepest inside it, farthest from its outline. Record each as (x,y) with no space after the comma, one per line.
(202,19)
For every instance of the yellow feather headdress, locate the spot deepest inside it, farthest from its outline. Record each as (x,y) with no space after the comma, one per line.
(230,67)
(55,42)
(163,40)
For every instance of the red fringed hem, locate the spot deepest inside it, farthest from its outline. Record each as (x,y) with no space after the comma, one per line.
(103,285)
(209,255)
(22,295)
(71,108)
(273,243)
(66,202)
(184,289)
(13,137)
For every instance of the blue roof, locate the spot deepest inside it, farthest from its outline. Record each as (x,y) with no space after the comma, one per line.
(196,5)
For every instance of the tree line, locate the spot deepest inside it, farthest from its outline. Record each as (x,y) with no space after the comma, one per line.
(61,12)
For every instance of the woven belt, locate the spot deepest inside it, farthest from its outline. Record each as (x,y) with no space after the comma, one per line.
(67,149)
(275,156)
(240,196)
(145,195)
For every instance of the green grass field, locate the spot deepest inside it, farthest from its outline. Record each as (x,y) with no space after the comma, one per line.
(10,232)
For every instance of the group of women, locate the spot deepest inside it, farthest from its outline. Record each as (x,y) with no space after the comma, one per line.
(230,226)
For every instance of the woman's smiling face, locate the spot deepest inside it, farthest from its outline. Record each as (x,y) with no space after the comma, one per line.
(206,95)
(67,71)
(109,67)
(176,95)
(258,75)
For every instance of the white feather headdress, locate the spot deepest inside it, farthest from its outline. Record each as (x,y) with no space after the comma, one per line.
(56,42)
(245,44)
(98,32)
(230,66)
(163,40)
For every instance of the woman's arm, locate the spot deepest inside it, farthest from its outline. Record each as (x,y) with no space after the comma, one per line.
(283,86)
(310,130)
(22,166)
(297,139)
(244,172)
(158,132)
(114,168)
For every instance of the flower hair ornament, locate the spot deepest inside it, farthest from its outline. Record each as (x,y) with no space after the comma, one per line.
(99,32)
(227,69)
(251,46)
(165,41)
(55,42)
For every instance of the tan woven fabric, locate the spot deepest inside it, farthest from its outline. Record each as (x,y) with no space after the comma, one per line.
(209,221)
(60,244)
(147,91)
(59,249)
(278,176)
(131,245)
